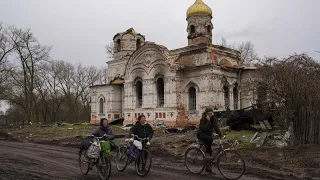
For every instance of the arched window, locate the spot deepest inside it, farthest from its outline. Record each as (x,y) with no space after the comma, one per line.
(226,97)
(118,45)
(101,101)
(192,29)
(139,93)
(209,29)
(138,43)
(192,98)
(235,97)
(160,92)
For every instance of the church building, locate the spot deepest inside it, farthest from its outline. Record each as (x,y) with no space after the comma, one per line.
(171,85)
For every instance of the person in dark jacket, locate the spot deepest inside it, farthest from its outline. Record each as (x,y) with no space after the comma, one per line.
(104,129)
(141,128)
(208,123)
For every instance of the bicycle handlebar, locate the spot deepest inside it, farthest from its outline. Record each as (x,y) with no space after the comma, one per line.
(141,139)
(102,137)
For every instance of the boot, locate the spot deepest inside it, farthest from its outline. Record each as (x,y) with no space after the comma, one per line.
(209,168)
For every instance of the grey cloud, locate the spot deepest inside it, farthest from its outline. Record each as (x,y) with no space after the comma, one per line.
(79,29)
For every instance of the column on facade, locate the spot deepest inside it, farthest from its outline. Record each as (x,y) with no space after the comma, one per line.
(147,93)
(231,98)
(170,92)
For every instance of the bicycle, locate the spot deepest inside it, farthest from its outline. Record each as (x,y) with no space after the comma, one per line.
(140,155)
(220,155)
(94,155)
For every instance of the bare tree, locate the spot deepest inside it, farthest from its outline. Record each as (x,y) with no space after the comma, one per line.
(292,86)
(29,53)
(247,52)
(110,50)
(246,49)
(6,45)
(6,49)
(40,89)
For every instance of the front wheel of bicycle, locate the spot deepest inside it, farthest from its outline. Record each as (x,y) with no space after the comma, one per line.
(231,164)
(122,158)
(83,162)
(143,162)
(104,166)
(194,160)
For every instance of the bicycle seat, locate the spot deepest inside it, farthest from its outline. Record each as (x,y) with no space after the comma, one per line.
(200,142)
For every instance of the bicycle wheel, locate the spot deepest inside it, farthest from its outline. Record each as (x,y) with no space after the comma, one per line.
(122,158)
(231,164)
(143,162)
(194,160)
(104,166)
(83,162)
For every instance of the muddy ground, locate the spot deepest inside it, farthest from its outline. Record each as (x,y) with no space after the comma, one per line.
(30,161)
(58,160)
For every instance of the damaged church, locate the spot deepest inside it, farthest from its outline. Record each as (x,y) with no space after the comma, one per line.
(171,85)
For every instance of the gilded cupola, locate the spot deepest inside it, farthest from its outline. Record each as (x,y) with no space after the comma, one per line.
(199,8)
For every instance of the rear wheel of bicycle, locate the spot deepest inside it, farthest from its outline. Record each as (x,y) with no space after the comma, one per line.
(122,158)
(83,162)
(231,164)
(143,162)
(104,166)
(194,160)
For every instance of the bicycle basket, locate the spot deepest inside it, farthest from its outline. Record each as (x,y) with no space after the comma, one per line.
(93,151)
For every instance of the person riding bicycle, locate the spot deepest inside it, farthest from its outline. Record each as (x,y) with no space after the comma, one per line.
(142,129)
(105,130)
(208,123)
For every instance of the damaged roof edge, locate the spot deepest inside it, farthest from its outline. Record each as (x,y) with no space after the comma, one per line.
(99,85)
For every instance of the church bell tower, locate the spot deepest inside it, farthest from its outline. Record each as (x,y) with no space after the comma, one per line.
(199,29)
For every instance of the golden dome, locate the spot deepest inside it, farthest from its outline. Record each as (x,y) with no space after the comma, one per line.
(199,8)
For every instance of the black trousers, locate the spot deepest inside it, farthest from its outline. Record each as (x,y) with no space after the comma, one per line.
(207,140)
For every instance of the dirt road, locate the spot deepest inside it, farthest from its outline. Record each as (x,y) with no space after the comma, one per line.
(30,161)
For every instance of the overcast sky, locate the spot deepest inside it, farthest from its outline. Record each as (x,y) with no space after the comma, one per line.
(78,30)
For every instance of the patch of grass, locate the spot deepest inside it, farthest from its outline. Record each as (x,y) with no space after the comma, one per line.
(244,136)
(246,145)
(37,132)
(117,128)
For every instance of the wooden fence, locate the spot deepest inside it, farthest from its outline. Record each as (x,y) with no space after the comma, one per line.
(307,126)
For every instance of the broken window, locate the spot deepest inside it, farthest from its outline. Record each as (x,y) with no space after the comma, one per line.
(138,43)
(209,29)
(160,92)
(235,97)
(101,106)
(192,29)
(139,93)
(226,97)
(192,98)
(118,45)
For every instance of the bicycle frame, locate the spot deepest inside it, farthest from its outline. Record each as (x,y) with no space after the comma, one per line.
(220,150)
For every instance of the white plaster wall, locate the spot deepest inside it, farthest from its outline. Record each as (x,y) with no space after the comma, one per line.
(98,92)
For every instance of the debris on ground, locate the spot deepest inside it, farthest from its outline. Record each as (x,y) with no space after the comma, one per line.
(179,144)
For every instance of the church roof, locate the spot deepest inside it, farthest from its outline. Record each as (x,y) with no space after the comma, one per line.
(128,31)
(199,8)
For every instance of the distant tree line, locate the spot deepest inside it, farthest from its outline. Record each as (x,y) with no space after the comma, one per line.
(38,88)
